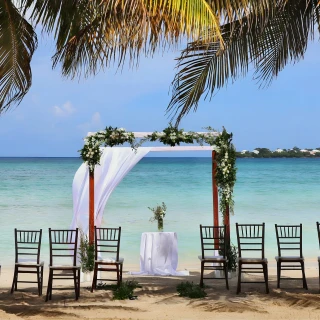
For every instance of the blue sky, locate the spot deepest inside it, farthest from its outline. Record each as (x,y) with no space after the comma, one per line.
(57,113)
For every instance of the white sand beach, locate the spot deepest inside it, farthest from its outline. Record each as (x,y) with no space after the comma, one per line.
(158,299)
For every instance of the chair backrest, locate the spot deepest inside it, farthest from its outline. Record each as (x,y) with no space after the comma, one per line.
(289,239)
(63,246)
(212,239)
(27,245)
(250,240)
(318,229)
(107,240)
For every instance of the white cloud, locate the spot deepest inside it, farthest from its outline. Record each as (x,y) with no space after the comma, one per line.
(93,125)
(65,110)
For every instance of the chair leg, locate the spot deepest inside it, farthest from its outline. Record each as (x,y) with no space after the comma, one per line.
(265,272)
(201,275)
(121,265)
(319,275)
(278,273)
(226,274)
(305,286)
(49,285)
(94,280)
(118,274)
(239,278)
(14,279)
(39,281)
(75,283)
(78,283)
(16,283)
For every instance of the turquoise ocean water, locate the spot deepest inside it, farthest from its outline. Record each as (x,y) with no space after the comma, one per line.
(37,193)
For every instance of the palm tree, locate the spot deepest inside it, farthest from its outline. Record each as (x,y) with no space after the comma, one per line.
(18,42)
(91,34)
(268,38)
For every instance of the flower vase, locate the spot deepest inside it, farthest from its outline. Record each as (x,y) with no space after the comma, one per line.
(160,225)
(86,276)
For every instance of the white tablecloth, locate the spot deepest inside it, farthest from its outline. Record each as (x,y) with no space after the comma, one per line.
(159,254)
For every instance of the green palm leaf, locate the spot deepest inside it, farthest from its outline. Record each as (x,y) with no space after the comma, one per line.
(267,43)
(92,34)
(17,44)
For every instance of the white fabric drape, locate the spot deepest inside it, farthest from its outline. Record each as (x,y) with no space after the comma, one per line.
(115,163)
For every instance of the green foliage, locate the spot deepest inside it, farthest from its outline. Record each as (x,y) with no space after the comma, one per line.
(159,213)
(286,153)
(91,153)
(86,254)
(232,255)
(226,169)
(263,35)
(125,290)
(190,290)
(18,41)
(172,136)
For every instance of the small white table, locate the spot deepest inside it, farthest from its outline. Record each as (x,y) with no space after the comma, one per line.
(159,254)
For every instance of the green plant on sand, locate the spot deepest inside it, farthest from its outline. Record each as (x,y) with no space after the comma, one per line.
(86,254)
(190,290)
(125,290)
(232,255)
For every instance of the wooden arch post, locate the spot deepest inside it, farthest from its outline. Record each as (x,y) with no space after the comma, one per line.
(226,219)
(215,191)
(215,197)
(91,207)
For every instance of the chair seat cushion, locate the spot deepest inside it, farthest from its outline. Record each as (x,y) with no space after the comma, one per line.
(64,267)
(289,258)
(212,258)
(252,260)
(25,261)
(110,260)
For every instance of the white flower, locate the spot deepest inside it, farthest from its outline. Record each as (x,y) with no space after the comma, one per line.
(122,129)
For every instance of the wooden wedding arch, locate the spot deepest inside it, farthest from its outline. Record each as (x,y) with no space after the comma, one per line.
(215,197)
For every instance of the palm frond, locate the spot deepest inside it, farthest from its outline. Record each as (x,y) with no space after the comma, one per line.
(269,45)
(17,44)
(92,33)
(284,40)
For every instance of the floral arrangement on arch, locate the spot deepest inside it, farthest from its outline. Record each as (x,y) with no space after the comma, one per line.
(172,136)
(91,153)
(226,170)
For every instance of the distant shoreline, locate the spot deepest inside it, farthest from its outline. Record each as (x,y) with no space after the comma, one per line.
(238,157)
